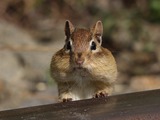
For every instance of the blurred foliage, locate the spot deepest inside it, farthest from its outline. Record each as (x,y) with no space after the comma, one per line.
(43,6)
(154,7)
(123,19)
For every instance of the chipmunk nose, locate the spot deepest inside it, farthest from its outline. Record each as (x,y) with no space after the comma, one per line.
(79,59)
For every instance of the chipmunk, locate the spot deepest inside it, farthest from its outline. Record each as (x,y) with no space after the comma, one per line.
(83,68)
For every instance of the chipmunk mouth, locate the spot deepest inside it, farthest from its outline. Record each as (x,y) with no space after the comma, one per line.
(78,67)
(79,63)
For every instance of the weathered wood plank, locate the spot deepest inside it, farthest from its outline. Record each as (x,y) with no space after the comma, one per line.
(134,106)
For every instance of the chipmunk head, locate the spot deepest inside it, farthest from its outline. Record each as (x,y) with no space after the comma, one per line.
(82,43)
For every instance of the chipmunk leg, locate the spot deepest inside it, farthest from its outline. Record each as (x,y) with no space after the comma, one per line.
(101,89)
(65,91)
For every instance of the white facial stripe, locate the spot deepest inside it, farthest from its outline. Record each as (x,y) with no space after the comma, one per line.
(70,42)
(91,42)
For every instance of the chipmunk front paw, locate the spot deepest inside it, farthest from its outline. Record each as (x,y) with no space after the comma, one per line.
(100,94)
(66,99)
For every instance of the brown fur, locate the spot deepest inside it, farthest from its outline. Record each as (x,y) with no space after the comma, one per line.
(95,77)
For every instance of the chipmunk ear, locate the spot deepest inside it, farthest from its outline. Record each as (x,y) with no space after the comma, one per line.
(98,28)
(97,31)
(69,28)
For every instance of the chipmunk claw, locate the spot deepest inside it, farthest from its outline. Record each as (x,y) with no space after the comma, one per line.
(66,99)
(100,95)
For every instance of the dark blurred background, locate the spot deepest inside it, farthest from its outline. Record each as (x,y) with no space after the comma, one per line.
(31,31)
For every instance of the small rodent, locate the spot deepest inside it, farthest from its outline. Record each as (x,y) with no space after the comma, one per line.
(83,68)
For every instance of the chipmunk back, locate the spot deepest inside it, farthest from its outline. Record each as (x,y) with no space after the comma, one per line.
(83,68)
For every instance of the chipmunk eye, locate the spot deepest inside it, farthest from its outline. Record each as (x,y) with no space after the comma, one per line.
(93,45)
(68,45)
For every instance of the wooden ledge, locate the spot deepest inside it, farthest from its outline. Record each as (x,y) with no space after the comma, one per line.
(133,106)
